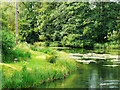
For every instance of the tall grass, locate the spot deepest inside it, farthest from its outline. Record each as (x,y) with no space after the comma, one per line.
(52,55)
(30,78)
(38,69)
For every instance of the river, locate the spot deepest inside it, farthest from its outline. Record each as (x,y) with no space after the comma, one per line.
(93,75)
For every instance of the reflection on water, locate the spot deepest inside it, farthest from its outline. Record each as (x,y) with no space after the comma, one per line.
(98,51)
(89,76)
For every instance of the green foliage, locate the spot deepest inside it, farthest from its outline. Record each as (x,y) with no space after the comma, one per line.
(55,44)
(113,36)
(51,58)
(4,24)
(21,55)
(20,51)
(27,22)
(108,45)
(74,24)
(88,43)
(37,44)
(33,48)
(72,40)
(64,60)
(52,55)
(8,16)
(46,50)
(8,43)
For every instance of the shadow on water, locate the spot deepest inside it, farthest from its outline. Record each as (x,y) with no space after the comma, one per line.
(98,51)
(89,76)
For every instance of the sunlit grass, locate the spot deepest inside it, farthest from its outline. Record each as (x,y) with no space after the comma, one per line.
(37,70)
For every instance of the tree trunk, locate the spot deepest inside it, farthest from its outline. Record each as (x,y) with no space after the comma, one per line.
(16,22)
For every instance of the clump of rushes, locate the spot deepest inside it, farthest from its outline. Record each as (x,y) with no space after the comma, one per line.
(52,56)
(27,78)
(51,59)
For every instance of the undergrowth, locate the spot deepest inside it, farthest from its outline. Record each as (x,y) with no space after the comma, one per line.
(44,65)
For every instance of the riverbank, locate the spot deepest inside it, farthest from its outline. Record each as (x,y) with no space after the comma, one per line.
(108,45)
(103,73)
(38,69)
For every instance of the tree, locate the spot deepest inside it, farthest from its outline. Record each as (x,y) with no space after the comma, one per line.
(75,24)
(16,21)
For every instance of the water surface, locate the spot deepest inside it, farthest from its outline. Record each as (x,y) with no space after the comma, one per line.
(93,75)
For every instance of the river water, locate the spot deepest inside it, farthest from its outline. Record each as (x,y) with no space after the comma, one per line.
(93,75)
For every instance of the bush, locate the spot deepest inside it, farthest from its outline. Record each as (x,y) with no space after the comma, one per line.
(88,44)
(47,43)
(8,43)
(108,45)
(33,48)
(55,44)
(72,40)
(21,51)
(20,54)
(51,59)
(37,44)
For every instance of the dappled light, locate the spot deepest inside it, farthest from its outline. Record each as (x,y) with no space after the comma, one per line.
(60,45)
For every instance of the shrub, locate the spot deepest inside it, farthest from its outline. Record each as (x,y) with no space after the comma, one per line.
(52,55)
(51,58)
(8,43)
(108,45)
(55,44)
(72,40)
(20,54)
(47,43)
(88,44)
(36,44)
(21,51)
(33,48)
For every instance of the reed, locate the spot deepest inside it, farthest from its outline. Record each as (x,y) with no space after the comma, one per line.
(37,69)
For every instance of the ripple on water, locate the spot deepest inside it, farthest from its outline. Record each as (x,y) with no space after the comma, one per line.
(110,84)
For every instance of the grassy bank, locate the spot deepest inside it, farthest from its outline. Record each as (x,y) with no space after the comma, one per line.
(44,65)
(108,45)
